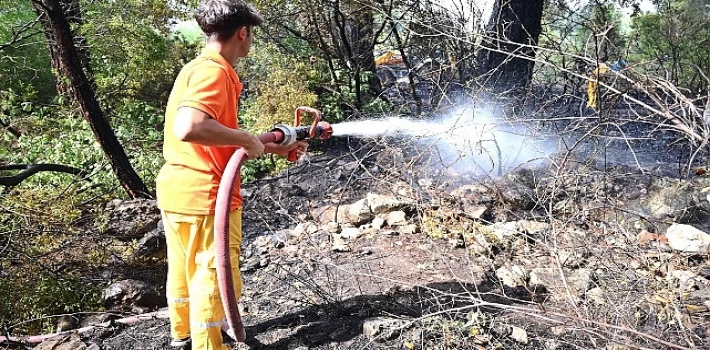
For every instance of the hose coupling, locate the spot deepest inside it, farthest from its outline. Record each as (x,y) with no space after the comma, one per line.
(289,132)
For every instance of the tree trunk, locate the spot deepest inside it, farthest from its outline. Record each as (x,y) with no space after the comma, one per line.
(505,63)
(67,59)
(72,13)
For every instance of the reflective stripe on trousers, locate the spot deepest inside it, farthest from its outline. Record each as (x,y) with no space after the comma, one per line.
(194,303)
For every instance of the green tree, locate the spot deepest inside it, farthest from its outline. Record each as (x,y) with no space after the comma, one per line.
(676,41)
(24,65)
(67,59)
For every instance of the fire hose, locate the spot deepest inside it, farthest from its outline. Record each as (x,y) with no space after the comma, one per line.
(281,134)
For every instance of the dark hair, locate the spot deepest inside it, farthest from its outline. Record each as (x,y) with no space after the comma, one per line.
(221,18)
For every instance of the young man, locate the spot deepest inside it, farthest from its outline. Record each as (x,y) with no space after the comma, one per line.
(201,134)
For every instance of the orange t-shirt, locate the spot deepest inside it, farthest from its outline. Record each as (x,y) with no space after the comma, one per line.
(189,179)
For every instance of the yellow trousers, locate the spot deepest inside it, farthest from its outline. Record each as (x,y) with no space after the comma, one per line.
(592,91)
(194,303)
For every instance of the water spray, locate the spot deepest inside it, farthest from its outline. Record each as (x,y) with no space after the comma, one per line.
(468,140)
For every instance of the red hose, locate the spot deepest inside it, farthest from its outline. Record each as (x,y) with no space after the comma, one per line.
(222,210)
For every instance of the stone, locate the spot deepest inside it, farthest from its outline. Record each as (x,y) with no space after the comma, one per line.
(533,227)
(359,212)
(304,228)
(511,276)
(66,323)
(152,244)
(397,218)
(520,335)
(687,238)
(131,219)
(378,223)
(475,212)
(262,241)
(579,281)
(685,279)
(382,328)
(408,229)
(331,213)
(350,233)
(132,295)
(382,204)
(62,342)
(596,295)
(571,257)
(98,318)
(339,244)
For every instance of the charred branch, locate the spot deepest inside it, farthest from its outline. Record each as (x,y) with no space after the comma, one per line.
(28,170)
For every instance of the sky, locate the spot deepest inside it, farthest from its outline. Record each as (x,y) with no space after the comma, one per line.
(486,6)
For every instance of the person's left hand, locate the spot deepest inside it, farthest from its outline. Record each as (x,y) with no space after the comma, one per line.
(283,151)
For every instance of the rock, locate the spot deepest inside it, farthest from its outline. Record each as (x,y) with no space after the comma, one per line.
(152,244)
(305,228)
(397,218)
(378,223)
(474,194)
(517,196)
(476,211)
(687,238)
(131,295)
(359,212)
(685,279)
(596,295)
(339,244)
(98,318)
(280,238)
(671,198)
(382,328)
(246,193)
(381,204)
(578,281)
(698,301)
(571,257)
(66,323)
(511,277)
(408,229)
(350,233)
(504,232)
(331,213)
(62,342)
(425,183)
(533,228)
(130,219)
(520,335)
(479,244)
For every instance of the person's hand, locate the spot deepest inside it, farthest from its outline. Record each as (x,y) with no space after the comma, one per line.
(300,146)
(254,149)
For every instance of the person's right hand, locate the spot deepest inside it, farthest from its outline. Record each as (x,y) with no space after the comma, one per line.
(254,149)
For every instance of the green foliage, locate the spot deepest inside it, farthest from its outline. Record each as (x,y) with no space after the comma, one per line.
(33,296)
(24,63)
(53,135)
(38,223)
(676,40)
(133,53)
(277,84)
